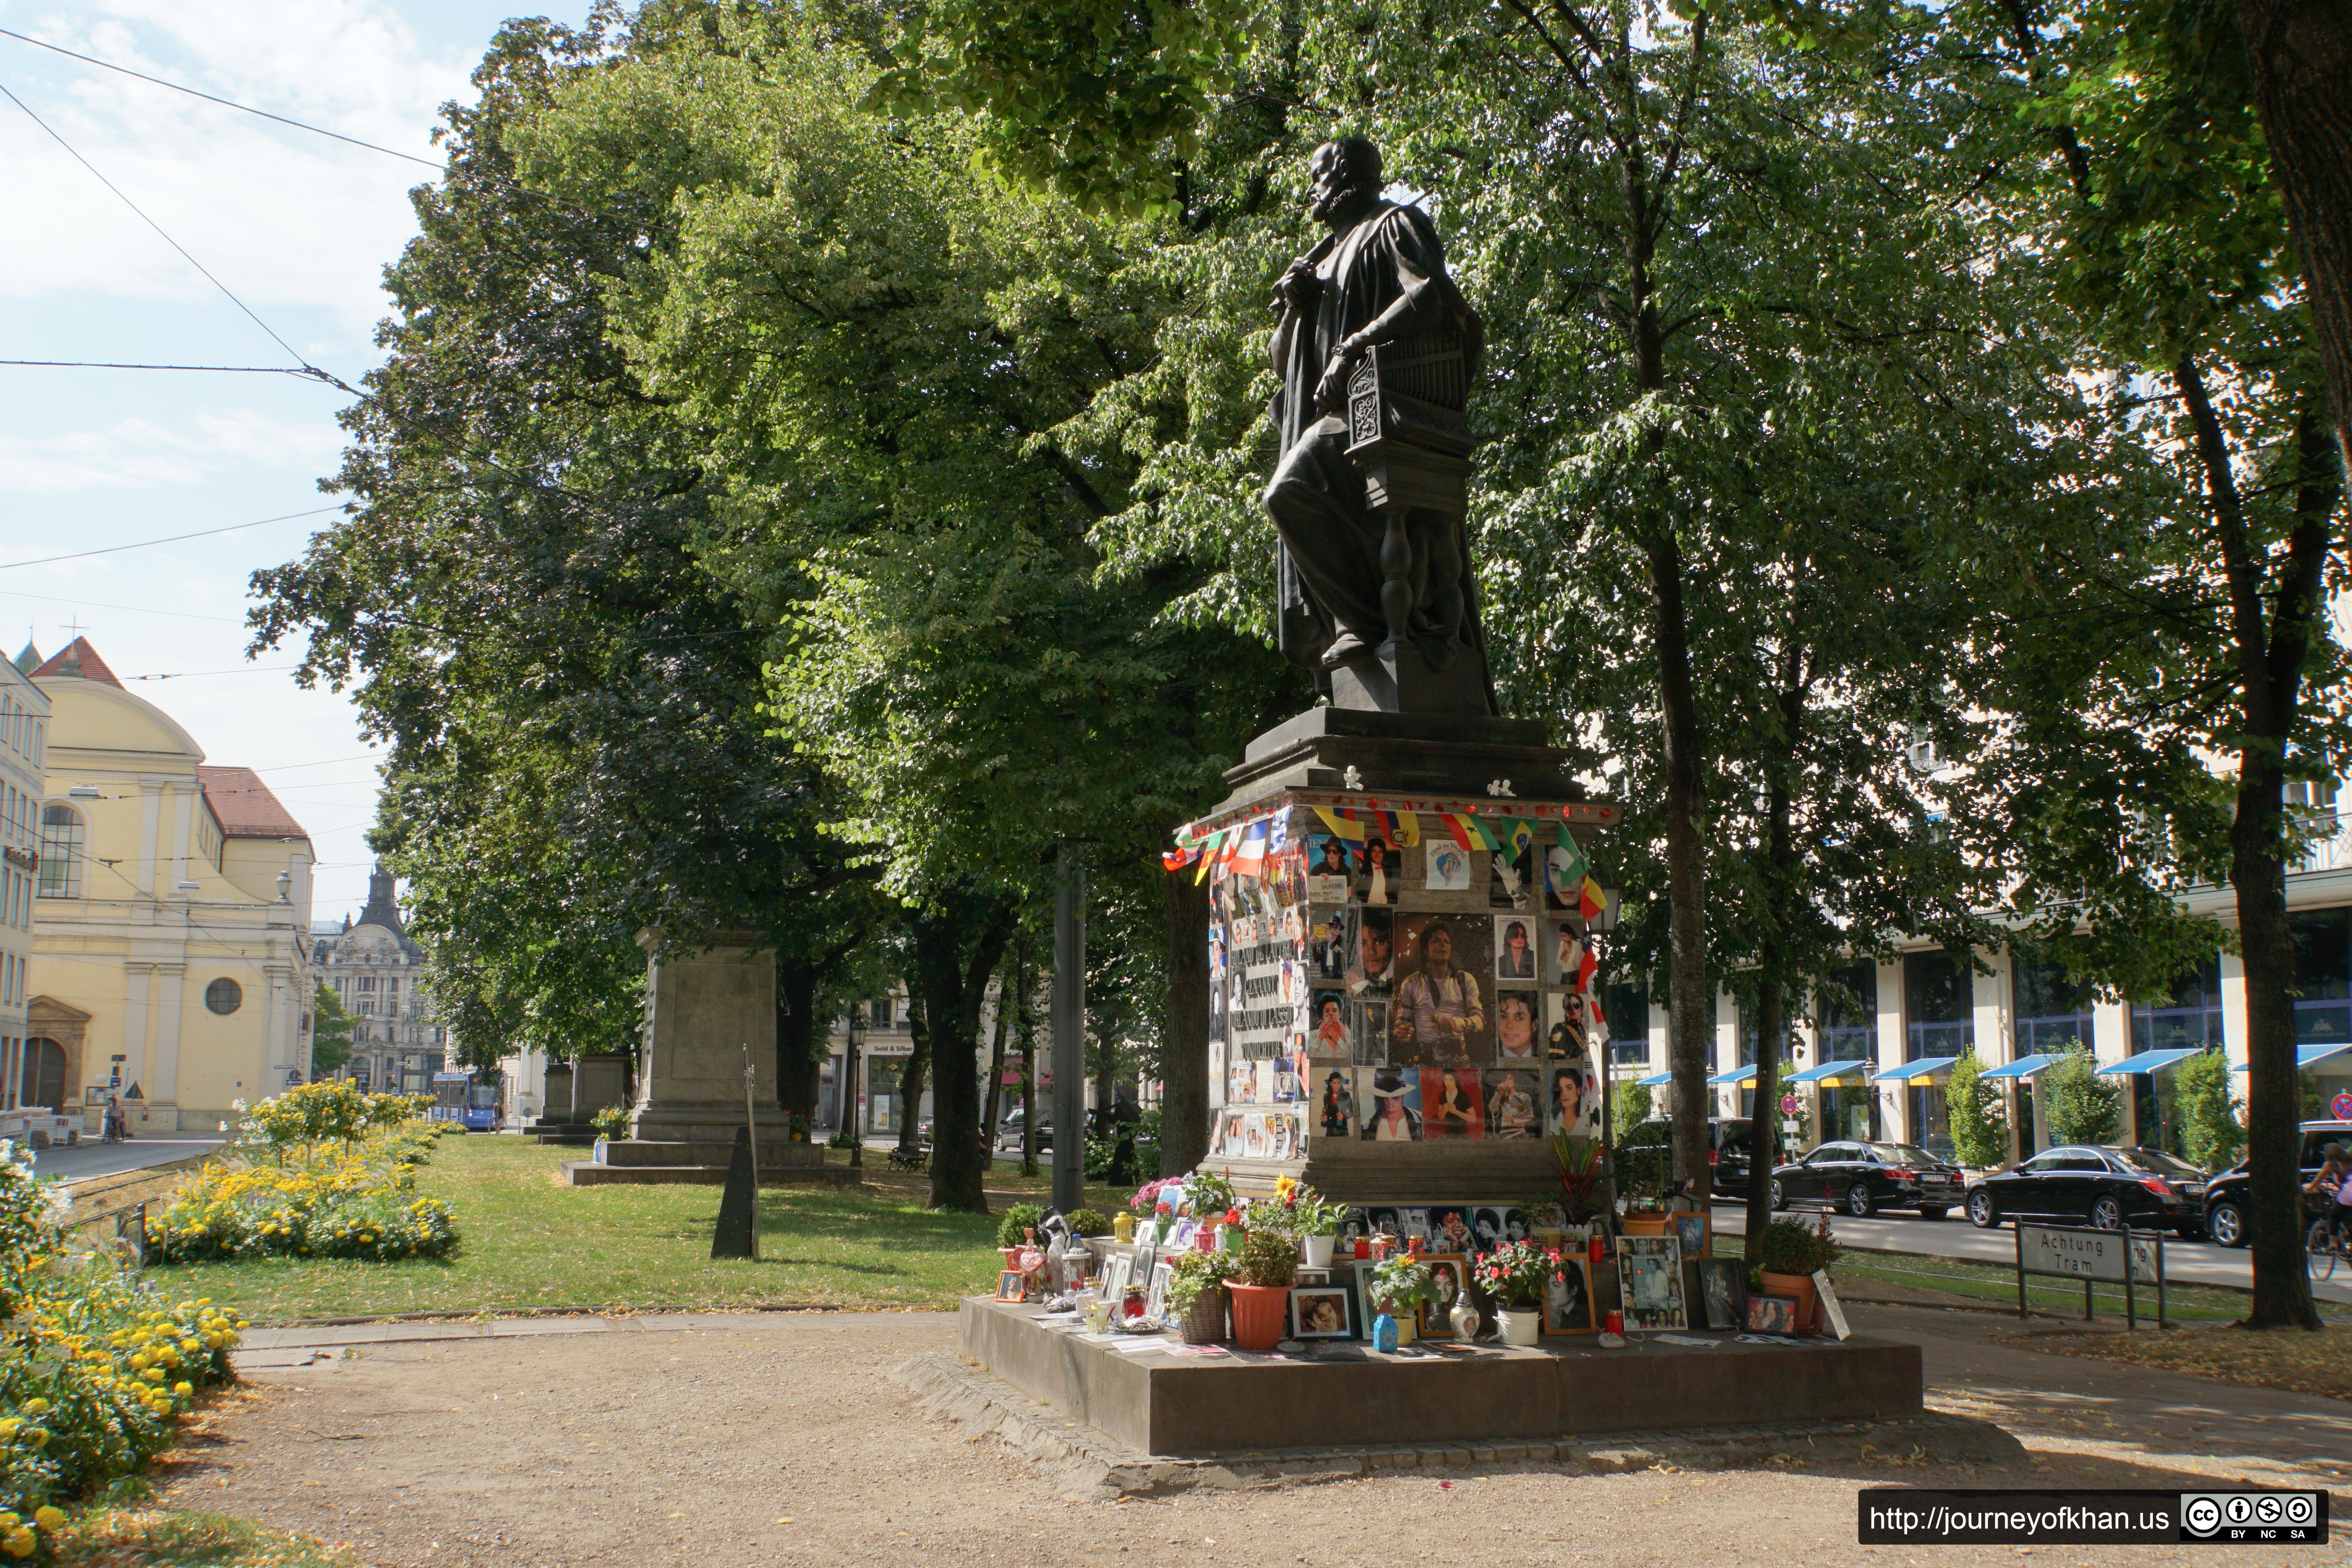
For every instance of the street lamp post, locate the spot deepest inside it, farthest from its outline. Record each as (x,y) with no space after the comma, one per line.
(851,1108)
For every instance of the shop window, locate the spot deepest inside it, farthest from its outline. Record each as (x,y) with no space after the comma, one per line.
(1936,1005)
(2323,974)
(2052,1012)
(2189,1020)
(224,997)
(1848,1020)
(61,853)
(1629,1024)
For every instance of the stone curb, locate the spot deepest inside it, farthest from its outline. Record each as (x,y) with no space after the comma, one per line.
(1085,1464)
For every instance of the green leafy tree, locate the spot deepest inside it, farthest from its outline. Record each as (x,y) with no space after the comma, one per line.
(2081,1107)
(2211,1132)
(1979,1118)
(331,1033)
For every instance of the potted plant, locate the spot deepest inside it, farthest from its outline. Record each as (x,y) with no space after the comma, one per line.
(1785,1263)
(1015,1227)
(1579,1175)
(1261,1289)
(1400,1287)
(1298,1211)
(1089,1222)
(1196,1296)
(1209,1195)
(1515,1273)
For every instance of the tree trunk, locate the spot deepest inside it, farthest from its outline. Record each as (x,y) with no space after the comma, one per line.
(955,954)
(1184,1056)
(1105,1117)
(994,1088)
(2299,54)
(1771,1009)
(1028,1059)
(918,1063)
(1690,1006)
(797,1058)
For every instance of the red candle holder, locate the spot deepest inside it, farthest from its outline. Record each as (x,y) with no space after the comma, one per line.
(1363,1246)
(1617,1323)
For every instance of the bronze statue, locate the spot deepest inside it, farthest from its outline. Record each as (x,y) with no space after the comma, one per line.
(1377,350)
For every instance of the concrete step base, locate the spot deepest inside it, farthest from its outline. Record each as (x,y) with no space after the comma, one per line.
(582,1174)
(569,1140)
(778,1155)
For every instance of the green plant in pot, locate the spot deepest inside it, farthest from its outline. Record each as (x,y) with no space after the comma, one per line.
(1400,1287)
(1195,1296)
(1261,1288)
(1089,1222)
(1785,1264)
(1515,1273)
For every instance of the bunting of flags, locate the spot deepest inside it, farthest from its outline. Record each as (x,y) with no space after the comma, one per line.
(1246,847)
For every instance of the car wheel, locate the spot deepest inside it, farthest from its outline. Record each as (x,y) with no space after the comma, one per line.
(1779,1198)
(2106,1215)
(1857,1201)
(1982,1213)
(2225,1222)
(1933,1212)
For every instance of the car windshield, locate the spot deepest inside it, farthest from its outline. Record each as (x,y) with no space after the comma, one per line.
(2158,1162)
(1903,1154)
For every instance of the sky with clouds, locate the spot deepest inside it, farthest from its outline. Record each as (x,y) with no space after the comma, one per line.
(299,227)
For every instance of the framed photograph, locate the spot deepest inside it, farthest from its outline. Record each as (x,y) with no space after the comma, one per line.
(1117,1271)
(1568,1028)
(1012,1285)
(1321,1312)
(1519,1020)
(1391,1105)
(1446,865)
(1568,1300)
(1453,1272)
(1771,1314)
(1440,1015)
(1371,964)
(1574,1103)
(1650,1281)
(1723,1292)
(1140,1265)
(1492,1229)
(1514,1109)
(1452,1103)
(1515,949)
(1695,1232)
(1332,1035)
(1833,1310)
(1328,949)
(1330,868)
(1155,1300)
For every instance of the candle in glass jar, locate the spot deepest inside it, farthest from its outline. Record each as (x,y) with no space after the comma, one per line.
(1617,1322)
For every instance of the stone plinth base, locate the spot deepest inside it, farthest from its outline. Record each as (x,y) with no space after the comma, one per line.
(777,1156)
(1157,1403)
(582,1173)
(708,1015)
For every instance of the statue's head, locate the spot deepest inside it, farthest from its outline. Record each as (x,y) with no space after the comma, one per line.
(1349,166)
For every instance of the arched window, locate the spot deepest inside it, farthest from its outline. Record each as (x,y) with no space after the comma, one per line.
(61,852)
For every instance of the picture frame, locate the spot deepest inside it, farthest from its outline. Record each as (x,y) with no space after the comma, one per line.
(1568,1307)
(1650,1283)
(1519,942)
(1012,1285)
(1723,1292)
(1140,1265)
(1771,1314)
(1117,1269)
(1833,1310)
(1321,1312)
(1452,1272)
(1696,1235)
(1155,1299)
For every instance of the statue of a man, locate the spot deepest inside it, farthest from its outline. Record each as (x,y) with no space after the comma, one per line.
(1379,278)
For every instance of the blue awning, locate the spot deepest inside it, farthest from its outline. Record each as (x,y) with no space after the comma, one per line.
(2023,1067)
(1653,1081)
(1856,1071)
(2147,1061)
(1736,1075)
(2308,1056)
(1925,1066)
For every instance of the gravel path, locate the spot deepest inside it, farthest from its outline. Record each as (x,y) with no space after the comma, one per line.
(723,1441)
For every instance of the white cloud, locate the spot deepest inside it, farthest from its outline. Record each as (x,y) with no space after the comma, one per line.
(141,453)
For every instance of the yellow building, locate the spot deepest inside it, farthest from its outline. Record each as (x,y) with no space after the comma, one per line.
(170,967)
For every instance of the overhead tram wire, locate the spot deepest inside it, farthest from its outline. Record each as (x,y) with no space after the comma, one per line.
(308,369)
(174,539)
(225,103)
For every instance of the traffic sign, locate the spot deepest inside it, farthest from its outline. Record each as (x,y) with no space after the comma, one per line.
(1789,1104)
(2341,1107)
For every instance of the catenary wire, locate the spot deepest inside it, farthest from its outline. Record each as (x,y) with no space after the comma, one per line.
(174,539)
(307,366)
(212,369)
(208,97)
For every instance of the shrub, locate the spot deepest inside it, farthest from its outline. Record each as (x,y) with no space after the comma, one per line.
(1517,1272)
(2083,1107)
(95,1367)
(1268,1258)
(1792,1246)
(1196,1274)
(330,1113)
(2210,1133)
(1017,1219)
(613,1121)
(1089,1222)
(1632,1107)
(1979,1118)
(1402,1284)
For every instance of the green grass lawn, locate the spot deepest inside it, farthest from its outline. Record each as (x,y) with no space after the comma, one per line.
(527,1241)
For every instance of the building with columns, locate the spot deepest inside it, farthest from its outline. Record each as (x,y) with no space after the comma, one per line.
(23,740)
(170,967)
(373,967)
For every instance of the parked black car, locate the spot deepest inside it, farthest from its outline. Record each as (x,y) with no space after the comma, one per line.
(1863,1178)
(2225,1194)
(1008,1134)
(1728,1149)
(2106,1189)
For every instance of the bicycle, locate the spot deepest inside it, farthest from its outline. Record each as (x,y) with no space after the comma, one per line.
(2323,1245)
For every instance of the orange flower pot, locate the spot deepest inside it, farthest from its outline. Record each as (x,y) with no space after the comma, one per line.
(1261,1312)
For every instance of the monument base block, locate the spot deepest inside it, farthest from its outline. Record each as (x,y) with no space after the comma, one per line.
(1155,1402)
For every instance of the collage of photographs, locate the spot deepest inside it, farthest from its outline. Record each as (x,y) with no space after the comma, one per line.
(1353,1013)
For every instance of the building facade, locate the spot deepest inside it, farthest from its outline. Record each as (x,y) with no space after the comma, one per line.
(374,968)
(1877,1069)
(24,741)
(170,967)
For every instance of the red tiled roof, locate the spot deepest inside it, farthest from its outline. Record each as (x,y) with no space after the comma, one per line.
(245,806)
(92,666)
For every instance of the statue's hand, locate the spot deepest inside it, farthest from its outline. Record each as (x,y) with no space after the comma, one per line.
(1296,289)
(1331,392)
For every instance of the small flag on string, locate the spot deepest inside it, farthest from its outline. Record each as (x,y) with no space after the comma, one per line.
(1591,900)
(1342,821)
(1520,832)
(1576,866)
(1404,827)
(1586,968)
(1176,860)
(1249,859)
(1208,854)
(1481,836)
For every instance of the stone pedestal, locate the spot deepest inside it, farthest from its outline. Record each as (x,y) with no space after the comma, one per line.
(702,1009)
(558,1109)
(597,1082)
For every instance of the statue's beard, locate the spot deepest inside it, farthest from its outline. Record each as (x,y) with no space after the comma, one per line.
(1325,202)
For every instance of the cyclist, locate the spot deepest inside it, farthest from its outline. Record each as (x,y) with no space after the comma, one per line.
(2334,1182)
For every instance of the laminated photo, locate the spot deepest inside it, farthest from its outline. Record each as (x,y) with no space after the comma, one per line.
(1568,1034)
(1563,951)
(1516,1024)
(1371,971)
(1382,872)
(1514,1103)
(1447,868)
(1393,1107)
(1450,1229)
(1329,950)
(1332,1035)
(1568,1300)
(1574,1106)
(1330,868)
(1335,1104)
(1451,1105)
(1452,1272)
(1515,949)
(1439,1015)
(1723,1292)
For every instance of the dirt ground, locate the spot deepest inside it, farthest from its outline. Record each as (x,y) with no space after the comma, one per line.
(736,1440)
